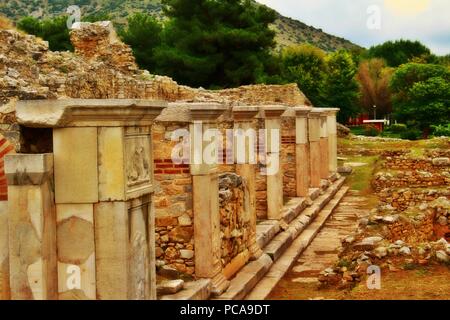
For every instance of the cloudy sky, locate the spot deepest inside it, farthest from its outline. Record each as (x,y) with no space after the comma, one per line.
(369,22)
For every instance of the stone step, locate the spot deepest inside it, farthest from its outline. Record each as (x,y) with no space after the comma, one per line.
(195,290)
(280,267)
(278,246)
(247,278)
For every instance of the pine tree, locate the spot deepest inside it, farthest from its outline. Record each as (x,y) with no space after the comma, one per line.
(216,43)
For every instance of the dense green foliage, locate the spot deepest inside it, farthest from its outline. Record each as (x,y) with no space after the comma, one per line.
(422,95)
(215,43)
(396,53)
(143,34)
(54,31)
(306,65)
(441,130)
(341,88)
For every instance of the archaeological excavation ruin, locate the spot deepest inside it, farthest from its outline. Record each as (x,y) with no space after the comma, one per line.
(94,205)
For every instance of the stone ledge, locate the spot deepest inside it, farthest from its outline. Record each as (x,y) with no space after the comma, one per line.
(247,278)
(279,268)
(196,290)
(278,245)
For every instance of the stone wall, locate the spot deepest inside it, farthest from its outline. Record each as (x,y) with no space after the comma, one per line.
(173,202)
(402,199)
(288,158)
(234,220)
(416,179)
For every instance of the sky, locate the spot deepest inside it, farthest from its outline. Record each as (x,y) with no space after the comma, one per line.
(371,22)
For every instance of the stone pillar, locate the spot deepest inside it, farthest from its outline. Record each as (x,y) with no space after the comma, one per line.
(5,293)
(314,126)
(207,240)
(245,167)
(103,194)
(275,201)
(32,227)
(324,147)
(332,138)
(302,151)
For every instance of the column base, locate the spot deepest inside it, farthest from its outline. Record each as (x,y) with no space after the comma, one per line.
(219,285)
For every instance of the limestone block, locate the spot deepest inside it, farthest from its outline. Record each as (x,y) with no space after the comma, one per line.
(111,164)
(111,240)
(76,251)
(32,243)
(28,169)
(302,170)
(139,285)
(273,135)
(75,157)
(4,252)
(274,191)
(324,158)
(301,129)
(315,159)
(206,226)
(236,264)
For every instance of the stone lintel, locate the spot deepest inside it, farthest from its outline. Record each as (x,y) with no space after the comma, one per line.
(331,111)
(244,113)
(206,112)
(302,112)
(88,112)
(272,111)
(28,169)
(316,113)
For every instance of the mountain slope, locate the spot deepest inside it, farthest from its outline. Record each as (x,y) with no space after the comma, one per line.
(289,31)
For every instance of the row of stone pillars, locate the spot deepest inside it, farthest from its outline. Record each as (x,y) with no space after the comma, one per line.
(81,219)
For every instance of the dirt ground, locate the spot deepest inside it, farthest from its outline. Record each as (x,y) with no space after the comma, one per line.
(406,283)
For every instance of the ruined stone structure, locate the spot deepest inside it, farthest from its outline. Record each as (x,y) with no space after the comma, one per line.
(98,203)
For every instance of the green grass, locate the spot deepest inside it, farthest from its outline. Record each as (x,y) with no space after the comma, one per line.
(361,177)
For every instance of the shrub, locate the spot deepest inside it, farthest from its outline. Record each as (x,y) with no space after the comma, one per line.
(411,134)
(440,131)
(371,131)
(398,128)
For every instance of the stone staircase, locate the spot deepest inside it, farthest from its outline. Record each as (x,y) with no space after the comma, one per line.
(282,243)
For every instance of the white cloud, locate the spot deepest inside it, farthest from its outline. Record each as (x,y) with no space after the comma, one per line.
(348,19)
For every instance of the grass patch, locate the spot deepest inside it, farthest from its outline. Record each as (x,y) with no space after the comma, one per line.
(361,177)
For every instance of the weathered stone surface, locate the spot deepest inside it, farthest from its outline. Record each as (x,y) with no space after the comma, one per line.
(4,252)
(75,152)
(111,164)
(111,240)
(32,237)
(76,250)
(170,287)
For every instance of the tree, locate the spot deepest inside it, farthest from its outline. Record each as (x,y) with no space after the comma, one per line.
(341,88)
(399,52)
(54,31)
(143,34)
(213,43)
(306,65)
(422,95)
(374,78)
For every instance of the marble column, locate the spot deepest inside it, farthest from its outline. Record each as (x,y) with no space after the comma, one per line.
(246,139)
(302,151)
(314,125)
(274,170)
(332,138)
(207,240)
(5,292)
(32,227)
(324,147)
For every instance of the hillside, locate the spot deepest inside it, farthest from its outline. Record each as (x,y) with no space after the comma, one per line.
(289,31)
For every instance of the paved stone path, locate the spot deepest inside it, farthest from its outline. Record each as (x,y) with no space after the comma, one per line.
(323,251)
